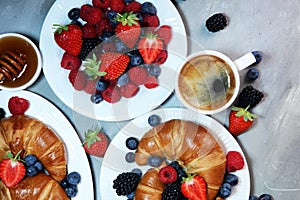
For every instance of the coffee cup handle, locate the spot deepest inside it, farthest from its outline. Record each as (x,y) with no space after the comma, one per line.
(245,61)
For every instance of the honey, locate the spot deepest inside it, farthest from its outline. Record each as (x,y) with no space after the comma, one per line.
(12,43)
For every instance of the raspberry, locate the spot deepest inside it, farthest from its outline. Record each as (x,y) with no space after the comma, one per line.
(138,75)
(161,57)
(70,62)
(133,7)
(150,21)
(151,82)
(89,31)
(129,90)
(85,10)
(165,32)
(78,79)
(167,174)
(101,3)
(117,5)
(235,161)
(90,87)
(94,16)
(216,22)
(111,94)
(103,26)
(17,105)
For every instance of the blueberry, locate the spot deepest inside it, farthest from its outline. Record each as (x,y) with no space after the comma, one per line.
(2,113)
(32,171)
(175,165)
(154,120)
(139,16)
(101,85)
(136,60)
(30,160)
(225,190)
(128,1)
(73,178)
(76,22)
(258,56)
(181,174)
(71,191)
(39,166)
(105,35)
(74,14)
(130,196)
(132,143)
(111,14)
(64,183)
(252,74)
(96,98)
(154,70)
(252,197)
(265,197)
(129,157)
(154,161)
(232,179)
(123,79)
(148,8)
(137,171)
(120,46)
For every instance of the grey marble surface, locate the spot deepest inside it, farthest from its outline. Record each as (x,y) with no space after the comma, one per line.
(271,26)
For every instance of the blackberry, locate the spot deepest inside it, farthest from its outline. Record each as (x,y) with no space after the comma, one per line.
(216,22)
(2,113)
(173,192)
(126,183)
(87,46)
(249,96)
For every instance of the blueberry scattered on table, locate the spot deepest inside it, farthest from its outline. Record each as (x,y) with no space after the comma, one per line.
(252,74)
(258,56)
(265,197)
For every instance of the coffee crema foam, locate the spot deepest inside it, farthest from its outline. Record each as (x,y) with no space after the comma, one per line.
(206,82)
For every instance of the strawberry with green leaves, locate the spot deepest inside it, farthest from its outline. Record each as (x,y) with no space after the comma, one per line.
(69,38)
(194,187)
(95,143)
(12,170)
(128,28)
(240,120)
(150,47)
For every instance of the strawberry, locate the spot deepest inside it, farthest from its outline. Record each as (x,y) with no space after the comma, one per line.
(234,161)
(17,105)
(114,64)
(165,33)
(167,174)
(161,57)
(151,82)
(70,62)
(138,75)
(240,120)
(12,170)
(101,3)
(129,90)
(111,94)
(150,47)
(128,30)
(117,5)
(69,38)
(95,142)
(194,187)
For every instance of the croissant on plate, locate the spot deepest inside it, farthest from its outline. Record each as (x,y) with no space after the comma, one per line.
(192,145)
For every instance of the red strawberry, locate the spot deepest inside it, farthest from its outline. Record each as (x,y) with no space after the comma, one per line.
(161,57)
(167,174)
(138,75)
(111,94)
(234,161)
(117,5)
(150,47)
(94,16)
(128,30)
(70,62)
(150,21)
(114,64)
(90,87)
(17,105)
(89,31)
(69,38)
(12,170)
(101,3)
(240,120)
(194,188)
(95,143)
(151,82)
(129,90)
(133,6)
(78,79)
(165,32)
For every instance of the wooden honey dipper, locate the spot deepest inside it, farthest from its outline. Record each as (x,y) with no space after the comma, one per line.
(12,64)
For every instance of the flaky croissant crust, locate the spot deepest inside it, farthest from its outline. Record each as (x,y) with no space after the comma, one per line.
(193,146)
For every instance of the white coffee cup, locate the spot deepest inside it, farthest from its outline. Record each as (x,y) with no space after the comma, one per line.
(208,81)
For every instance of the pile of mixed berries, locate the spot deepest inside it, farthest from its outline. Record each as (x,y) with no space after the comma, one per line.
(112,48)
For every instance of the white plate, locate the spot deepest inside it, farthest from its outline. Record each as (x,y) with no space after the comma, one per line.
(46,112)
(145,101)
(114,161)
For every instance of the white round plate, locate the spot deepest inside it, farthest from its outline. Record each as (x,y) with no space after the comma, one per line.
(46,112)
(146,99)
(114,161)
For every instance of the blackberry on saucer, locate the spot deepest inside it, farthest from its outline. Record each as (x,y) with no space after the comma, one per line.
(249,96)
(173,192)
(126,183)
(216,22)
(87,46)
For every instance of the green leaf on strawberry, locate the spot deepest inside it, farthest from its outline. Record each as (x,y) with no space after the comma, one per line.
(92,66)
(95,142)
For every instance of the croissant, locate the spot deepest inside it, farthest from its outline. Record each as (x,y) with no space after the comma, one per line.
(31,136)
(192,145)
